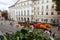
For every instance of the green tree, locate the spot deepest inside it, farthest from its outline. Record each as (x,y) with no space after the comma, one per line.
(57,2)
(5,14)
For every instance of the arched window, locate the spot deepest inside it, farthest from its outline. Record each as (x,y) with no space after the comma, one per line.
(46,20)
(47,1)
(46,13)
(53,6)
(25,19)
(21,19)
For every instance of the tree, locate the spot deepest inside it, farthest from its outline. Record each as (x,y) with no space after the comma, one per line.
(5,14)
(57,2)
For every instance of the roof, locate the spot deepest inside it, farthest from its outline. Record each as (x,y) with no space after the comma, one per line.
(18,1)
(14,4)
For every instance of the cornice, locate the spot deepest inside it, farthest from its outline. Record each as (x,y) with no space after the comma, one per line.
(21,2)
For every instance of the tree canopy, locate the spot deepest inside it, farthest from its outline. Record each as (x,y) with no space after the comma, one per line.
(57,2)
(5,14)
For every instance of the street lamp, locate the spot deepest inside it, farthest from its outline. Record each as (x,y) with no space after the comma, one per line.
(32,18)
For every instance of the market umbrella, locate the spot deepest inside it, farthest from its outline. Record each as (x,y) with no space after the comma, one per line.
(48,25)
(36,24)
(43,26)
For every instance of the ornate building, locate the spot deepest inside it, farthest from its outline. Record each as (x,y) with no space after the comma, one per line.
(34,10)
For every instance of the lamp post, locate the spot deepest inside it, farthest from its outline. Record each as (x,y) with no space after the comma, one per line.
(32,18)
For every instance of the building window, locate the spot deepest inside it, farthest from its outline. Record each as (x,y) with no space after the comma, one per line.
(35,3)
(24,4)
(28,12)
(38,2)
(42,19)
(37,20)
(52,6)
(52,20)
(38,8)
(25,19)
(42,1)
(47,7)
(38,13)
(42,13)
(34,13)
(24,12)
(52,13)
(17,5)
(16,12)
(34,8)
(46,20)
(42,7)
(28,3)
(46,13)
(47,1)
(21,19)
(19,13)
(21,4)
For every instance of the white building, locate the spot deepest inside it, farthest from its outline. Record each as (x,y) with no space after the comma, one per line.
(34,10)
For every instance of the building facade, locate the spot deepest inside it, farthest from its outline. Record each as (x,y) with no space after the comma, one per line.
(34,10)
(0,13)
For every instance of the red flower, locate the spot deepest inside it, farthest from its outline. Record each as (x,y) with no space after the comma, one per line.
(7,33)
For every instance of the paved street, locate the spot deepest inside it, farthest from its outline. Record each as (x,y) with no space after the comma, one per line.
(5,26)
(55,30)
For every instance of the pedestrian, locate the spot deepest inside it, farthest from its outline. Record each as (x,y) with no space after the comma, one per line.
(47,31)
(50,32)
(11,23)
(54,35)
(58,27)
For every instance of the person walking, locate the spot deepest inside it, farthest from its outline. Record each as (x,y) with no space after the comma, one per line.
(54,35)
(11,23)
(58,27)
(50,32)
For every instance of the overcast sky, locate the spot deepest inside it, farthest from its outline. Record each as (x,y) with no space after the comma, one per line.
(4,4)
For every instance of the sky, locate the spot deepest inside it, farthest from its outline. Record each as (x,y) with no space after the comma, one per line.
(4,4)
